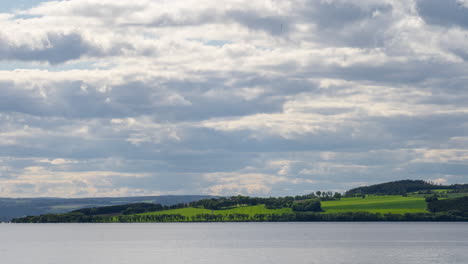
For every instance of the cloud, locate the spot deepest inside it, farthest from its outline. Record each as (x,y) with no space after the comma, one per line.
(249,183)
(58,161)
(444,13)
(340,14)
(38,181)
(55,48)
(251,97)
(273,25)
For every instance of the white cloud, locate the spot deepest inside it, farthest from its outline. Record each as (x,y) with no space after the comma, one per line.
(439,181)
(441,156)
(41,181)
(253,97)
(241,183)
(59,161)
(145,130)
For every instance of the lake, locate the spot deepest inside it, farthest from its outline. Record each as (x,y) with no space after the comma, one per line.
(225,243)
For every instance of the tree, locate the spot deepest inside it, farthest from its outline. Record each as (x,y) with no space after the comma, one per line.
(337,196)
(307,206)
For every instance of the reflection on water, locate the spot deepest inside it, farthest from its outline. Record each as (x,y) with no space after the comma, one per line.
(225,243)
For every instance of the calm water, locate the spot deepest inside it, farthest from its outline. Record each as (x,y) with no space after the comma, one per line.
(244,243)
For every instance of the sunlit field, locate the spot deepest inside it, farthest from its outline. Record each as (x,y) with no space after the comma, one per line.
(395,204)
(250,210)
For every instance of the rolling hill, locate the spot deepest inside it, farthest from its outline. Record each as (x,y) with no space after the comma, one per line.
(371,203)
(18,207)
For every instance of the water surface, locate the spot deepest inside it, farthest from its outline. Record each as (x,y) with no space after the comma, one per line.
(225,243)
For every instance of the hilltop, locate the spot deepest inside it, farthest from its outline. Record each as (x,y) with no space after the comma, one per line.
(404,187)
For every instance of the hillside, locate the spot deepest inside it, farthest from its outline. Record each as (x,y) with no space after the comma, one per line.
(371,208)
(456,205)
(371,203)
(18,207)
(244,210)
(403,188)
(236,208)
(395,204)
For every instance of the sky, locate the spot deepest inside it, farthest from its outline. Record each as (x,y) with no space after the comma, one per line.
(253,97)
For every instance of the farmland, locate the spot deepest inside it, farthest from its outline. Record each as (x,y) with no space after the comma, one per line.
(249,210)
(395,204)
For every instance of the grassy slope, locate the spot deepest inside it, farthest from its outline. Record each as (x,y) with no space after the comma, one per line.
(445,194)
(250,210)
(456,195)
(377,204)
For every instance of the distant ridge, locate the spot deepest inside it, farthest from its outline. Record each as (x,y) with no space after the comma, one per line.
(18,207)
(401,188)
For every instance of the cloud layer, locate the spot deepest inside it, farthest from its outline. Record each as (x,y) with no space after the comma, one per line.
(112,98)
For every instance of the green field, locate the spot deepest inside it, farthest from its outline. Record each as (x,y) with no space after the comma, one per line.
(249,210)
(395,204)
(456,195)
(441,195)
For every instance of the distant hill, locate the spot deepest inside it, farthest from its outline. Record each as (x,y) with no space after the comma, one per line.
(18,207)
(411,207)
(402,188)
(408,200)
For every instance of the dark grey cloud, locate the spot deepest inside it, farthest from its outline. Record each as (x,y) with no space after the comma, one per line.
(56,48)
(411,72)
(346,23)
(201,99)
(443,12)
(446,92)
(438,168)
(423,131)
(463,54)
(274,25)
(245,141)
(63,99)
(339,15)
(12,99)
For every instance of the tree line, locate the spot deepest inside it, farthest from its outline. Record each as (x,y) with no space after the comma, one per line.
(455,206)
(403,188)
(313,201)
(285,217)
